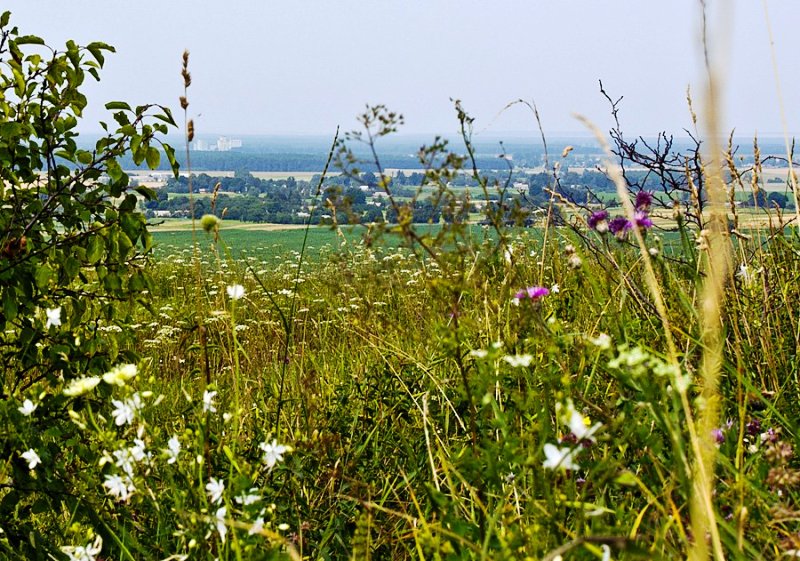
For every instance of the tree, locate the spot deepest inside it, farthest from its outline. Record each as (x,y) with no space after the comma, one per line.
(72,261)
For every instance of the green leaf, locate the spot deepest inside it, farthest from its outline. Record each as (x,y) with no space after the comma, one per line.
(29,40)
(42,276)
(96,247)
(114,105)
(153,157)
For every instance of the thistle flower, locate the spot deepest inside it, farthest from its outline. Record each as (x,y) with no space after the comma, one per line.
(532,292)
(643,201)
(641,220)
(598,221)
(619,226)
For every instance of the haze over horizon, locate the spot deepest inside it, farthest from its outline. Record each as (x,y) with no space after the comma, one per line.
(302,68)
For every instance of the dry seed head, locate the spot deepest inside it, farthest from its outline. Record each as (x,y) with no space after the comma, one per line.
(184,102)
(187,78)
(190,130)
(185,58)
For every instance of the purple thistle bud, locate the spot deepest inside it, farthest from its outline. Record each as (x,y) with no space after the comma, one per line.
(618,226)
(598,221)
(643,200)
(641,220)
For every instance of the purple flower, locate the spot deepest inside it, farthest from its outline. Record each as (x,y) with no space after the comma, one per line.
(719,436)
(599,221)
(619,226)
(532,292)
(643,200)
(753,427)
(641,220)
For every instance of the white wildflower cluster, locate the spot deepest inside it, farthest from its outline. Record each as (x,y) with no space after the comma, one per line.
(640,363)
(88,552)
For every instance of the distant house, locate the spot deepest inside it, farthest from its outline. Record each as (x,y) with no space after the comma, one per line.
(163,213)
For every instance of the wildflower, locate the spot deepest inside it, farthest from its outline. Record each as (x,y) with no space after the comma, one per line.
(257,527)
(479,353)
(120,374)
(719,436)
(235,291)
(86,552)
(138,450)
(574,261)
(602,341)
(119,488)
(123,412)
(555,289)
(518,361)
(215,488)
(248,497)
(653,251)
(80,386)
(208,402)
(220,522)
(532,292)
(643,201)
(641,220)
(173,448)
(579,425)
(125,460)
(32,458)
(598,221)
(53,317)
(273,452)
(619,226)
(27,408)
(559,458)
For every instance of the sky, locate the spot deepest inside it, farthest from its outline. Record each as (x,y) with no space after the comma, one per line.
(304,67)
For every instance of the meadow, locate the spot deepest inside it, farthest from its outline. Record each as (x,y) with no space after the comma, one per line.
(612,383)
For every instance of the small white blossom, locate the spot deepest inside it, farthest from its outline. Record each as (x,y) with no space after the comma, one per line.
(53,317)
(555,289)
(273,452)
(559,458)
(125,460)
(249,497)
(602,341)
(215,488)
(208,401)
(220,522)
(123,412)
(235,292)
(173,448)
(579,425)
(120,374)
(519,360)
(27,408)
(80,386)
(257,527)
(118,487)
(86,552)
(32,458)
(138,450)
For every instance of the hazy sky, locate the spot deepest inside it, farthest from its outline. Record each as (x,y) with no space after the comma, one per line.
(305,66)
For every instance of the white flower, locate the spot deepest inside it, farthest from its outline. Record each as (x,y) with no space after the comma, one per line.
(215,488)
(248,498)
(119,488)
(478,353)
(120,374)
(555,289)
(173,448)
(578,424)
(257,527)
(123,412)
(138,450)
(53,317)
(32,458)
(208,401)
(559,458)
(518,360)
(220,522)
(125,460)
(80,386)
(27,408)
(602,341)
(273,452)
(86,552)
(235,292)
